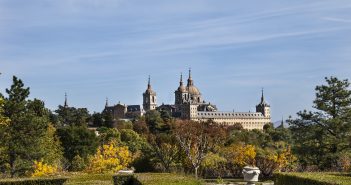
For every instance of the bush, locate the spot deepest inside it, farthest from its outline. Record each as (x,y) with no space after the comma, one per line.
(125,180)
(47,181)
(78,164)
(312,179)
(42,169)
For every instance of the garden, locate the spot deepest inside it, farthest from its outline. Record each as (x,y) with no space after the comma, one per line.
(71,146)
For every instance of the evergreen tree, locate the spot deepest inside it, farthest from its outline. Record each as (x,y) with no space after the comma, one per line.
(72,116)
(321,136)
(77,141)
(107,119)
(21,137)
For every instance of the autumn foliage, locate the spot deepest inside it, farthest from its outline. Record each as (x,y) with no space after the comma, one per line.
(43,169)
(110,158)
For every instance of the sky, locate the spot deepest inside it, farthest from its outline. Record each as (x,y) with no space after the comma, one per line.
(93,49)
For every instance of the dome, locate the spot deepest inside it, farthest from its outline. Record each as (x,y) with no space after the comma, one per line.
(181,89)
(193,90)
(149,91)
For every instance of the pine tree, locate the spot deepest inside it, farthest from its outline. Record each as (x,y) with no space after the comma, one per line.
(321,136)
(22,137)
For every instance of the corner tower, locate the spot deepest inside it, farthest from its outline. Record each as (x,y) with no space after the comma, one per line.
(149,98)
(264,107)
(180,93)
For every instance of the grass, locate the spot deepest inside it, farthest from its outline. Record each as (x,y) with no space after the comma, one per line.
(323,177)
(89,179)
(236,181)
(166,179)
(144,178)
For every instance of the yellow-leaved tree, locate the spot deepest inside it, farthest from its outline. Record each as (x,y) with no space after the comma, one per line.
(241,155)
(271,160)
(109,158)
(283,158)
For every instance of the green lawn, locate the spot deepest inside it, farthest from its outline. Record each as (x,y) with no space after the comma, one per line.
(318,178)
(144,178)
(166,179)
(89,179)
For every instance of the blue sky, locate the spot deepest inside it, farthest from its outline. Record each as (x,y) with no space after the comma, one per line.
(93,49)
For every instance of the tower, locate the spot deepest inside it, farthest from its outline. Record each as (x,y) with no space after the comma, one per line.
(264,107)
(193,93)
(149,98)
(180,93)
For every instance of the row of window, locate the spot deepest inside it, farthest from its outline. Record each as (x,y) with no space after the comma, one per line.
(228,114)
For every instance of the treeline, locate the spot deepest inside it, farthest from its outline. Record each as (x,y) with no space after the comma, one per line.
(35,141)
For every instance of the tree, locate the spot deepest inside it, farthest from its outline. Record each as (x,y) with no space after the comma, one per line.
(51,147)
(108,120)
(141,127)
(165,149)
(154,121)
(197,139)
(110,158)
(321,136)
(3,119)
(97,119)
(72,116)
(107,135)
(132,139)
(77,141)
(22,136)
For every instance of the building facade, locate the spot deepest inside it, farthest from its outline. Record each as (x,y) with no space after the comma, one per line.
(189,104)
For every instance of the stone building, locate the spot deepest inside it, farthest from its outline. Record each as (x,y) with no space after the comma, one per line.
(189,104)
(149,98)
(123,111)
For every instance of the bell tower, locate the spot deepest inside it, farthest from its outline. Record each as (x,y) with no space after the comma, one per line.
(264,107)
(149,98)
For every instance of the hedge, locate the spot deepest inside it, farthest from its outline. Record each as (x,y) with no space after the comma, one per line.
(312,179)
(39,181)
(125,180)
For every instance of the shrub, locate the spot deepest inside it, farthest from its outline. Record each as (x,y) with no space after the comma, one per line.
(125,180)
(49,181)
(42,169)
(110,158)
(78,164)
(312,179)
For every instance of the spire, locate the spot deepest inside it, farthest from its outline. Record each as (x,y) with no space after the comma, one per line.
(262,97)
(190,80)
(181,79)
(148,83)
(106,105)
(282,123)
(65,105)
(149,88)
